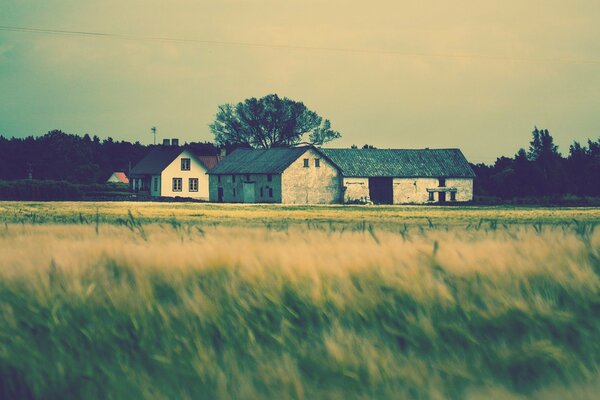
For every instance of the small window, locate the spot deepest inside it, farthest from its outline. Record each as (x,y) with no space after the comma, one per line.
(177,184)
(156,183)
(306,163)
(452,196)
(233,192)
(232,178)
(442,182)
(185,164)
(270,192)
(317,162)
(219,178)
(431,196)
(193,184)
(247,177)
(269,177)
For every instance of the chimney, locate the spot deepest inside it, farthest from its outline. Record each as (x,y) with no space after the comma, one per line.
(174,142)
(166,142)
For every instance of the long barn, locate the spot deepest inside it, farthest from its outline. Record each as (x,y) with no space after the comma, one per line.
(311,175)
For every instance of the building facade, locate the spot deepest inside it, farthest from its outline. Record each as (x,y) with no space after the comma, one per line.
(309,175)
(173,171)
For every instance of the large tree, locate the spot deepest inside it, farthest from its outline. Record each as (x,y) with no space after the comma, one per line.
(270,121)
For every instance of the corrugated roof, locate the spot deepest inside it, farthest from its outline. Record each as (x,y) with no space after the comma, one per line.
(400,162)
(258,161)
(160,157)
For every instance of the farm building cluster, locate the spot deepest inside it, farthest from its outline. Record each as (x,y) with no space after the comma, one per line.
(306,175)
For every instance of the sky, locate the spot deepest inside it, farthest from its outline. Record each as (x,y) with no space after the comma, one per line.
(472,74)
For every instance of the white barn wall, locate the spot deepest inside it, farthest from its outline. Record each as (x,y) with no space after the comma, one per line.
(464,188)
(356,189)
(173,170)
(312,185)
(413,190)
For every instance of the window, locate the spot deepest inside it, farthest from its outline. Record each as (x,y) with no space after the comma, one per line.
(269,177)
(247,177)
(177,184)
(233,178)
(306,163)
(155,183)
(270,192)
(430,196)
(193,184)
(317,162)
(452,196)
(233,192)
(185,164)
(219,178)
(442,182)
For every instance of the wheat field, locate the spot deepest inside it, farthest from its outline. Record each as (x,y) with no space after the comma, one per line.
(201,301)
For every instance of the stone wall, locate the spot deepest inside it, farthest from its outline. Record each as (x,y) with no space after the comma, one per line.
(311,185)
(356,189)
(414,190)
(464,188)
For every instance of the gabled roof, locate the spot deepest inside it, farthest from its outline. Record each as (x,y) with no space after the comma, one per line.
(160,157)
(412,163)
(209,161)
(258,161)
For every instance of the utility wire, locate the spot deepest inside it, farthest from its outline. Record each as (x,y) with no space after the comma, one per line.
(109,35)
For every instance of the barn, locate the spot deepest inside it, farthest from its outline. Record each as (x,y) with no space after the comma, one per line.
(311,175)
(401,176)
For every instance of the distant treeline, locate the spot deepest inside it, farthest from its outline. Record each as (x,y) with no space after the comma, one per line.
(72,158)
(541,171)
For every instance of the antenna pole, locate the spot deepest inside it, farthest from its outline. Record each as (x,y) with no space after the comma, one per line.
(153,129)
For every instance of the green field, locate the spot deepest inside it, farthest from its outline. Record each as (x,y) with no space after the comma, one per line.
(190,300)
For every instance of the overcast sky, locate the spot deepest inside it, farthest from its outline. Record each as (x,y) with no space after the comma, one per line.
(468,73)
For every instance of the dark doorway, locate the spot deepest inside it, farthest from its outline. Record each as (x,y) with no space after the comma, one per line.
(381,190)
(220,195)
(442,197)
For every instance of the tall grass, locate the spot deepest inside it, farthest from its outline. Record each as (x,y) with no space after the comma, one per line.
(184,311)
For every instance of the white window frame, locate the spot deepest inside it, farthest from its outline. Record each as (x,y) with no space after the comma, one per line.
(176,187)
(186,164)
(193,183)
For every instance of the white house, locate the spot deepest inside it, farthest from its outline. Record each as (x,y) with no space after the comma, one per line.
(173,171)
(311,175)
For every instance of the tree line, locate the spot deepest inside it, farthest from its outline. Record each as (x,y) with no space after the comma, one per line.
(541,171)
(77,159)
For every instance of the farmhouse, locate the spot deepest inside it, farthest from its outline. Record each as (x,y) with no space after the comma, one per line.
(311,175)
(171,170)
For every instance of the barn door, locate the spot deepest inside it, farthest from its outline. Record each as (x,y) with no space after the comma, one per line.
(249,192)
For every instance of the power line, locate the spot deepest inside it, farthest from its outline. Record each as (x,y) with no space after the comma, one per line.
(110,35)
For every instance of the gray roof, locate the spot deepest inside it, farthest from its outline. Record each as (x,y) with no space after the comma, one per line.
(423,163)
(258,161)
(157,160)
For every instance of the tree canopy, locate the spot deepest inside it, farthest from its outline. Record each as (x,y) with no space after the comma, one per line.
(270,121)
